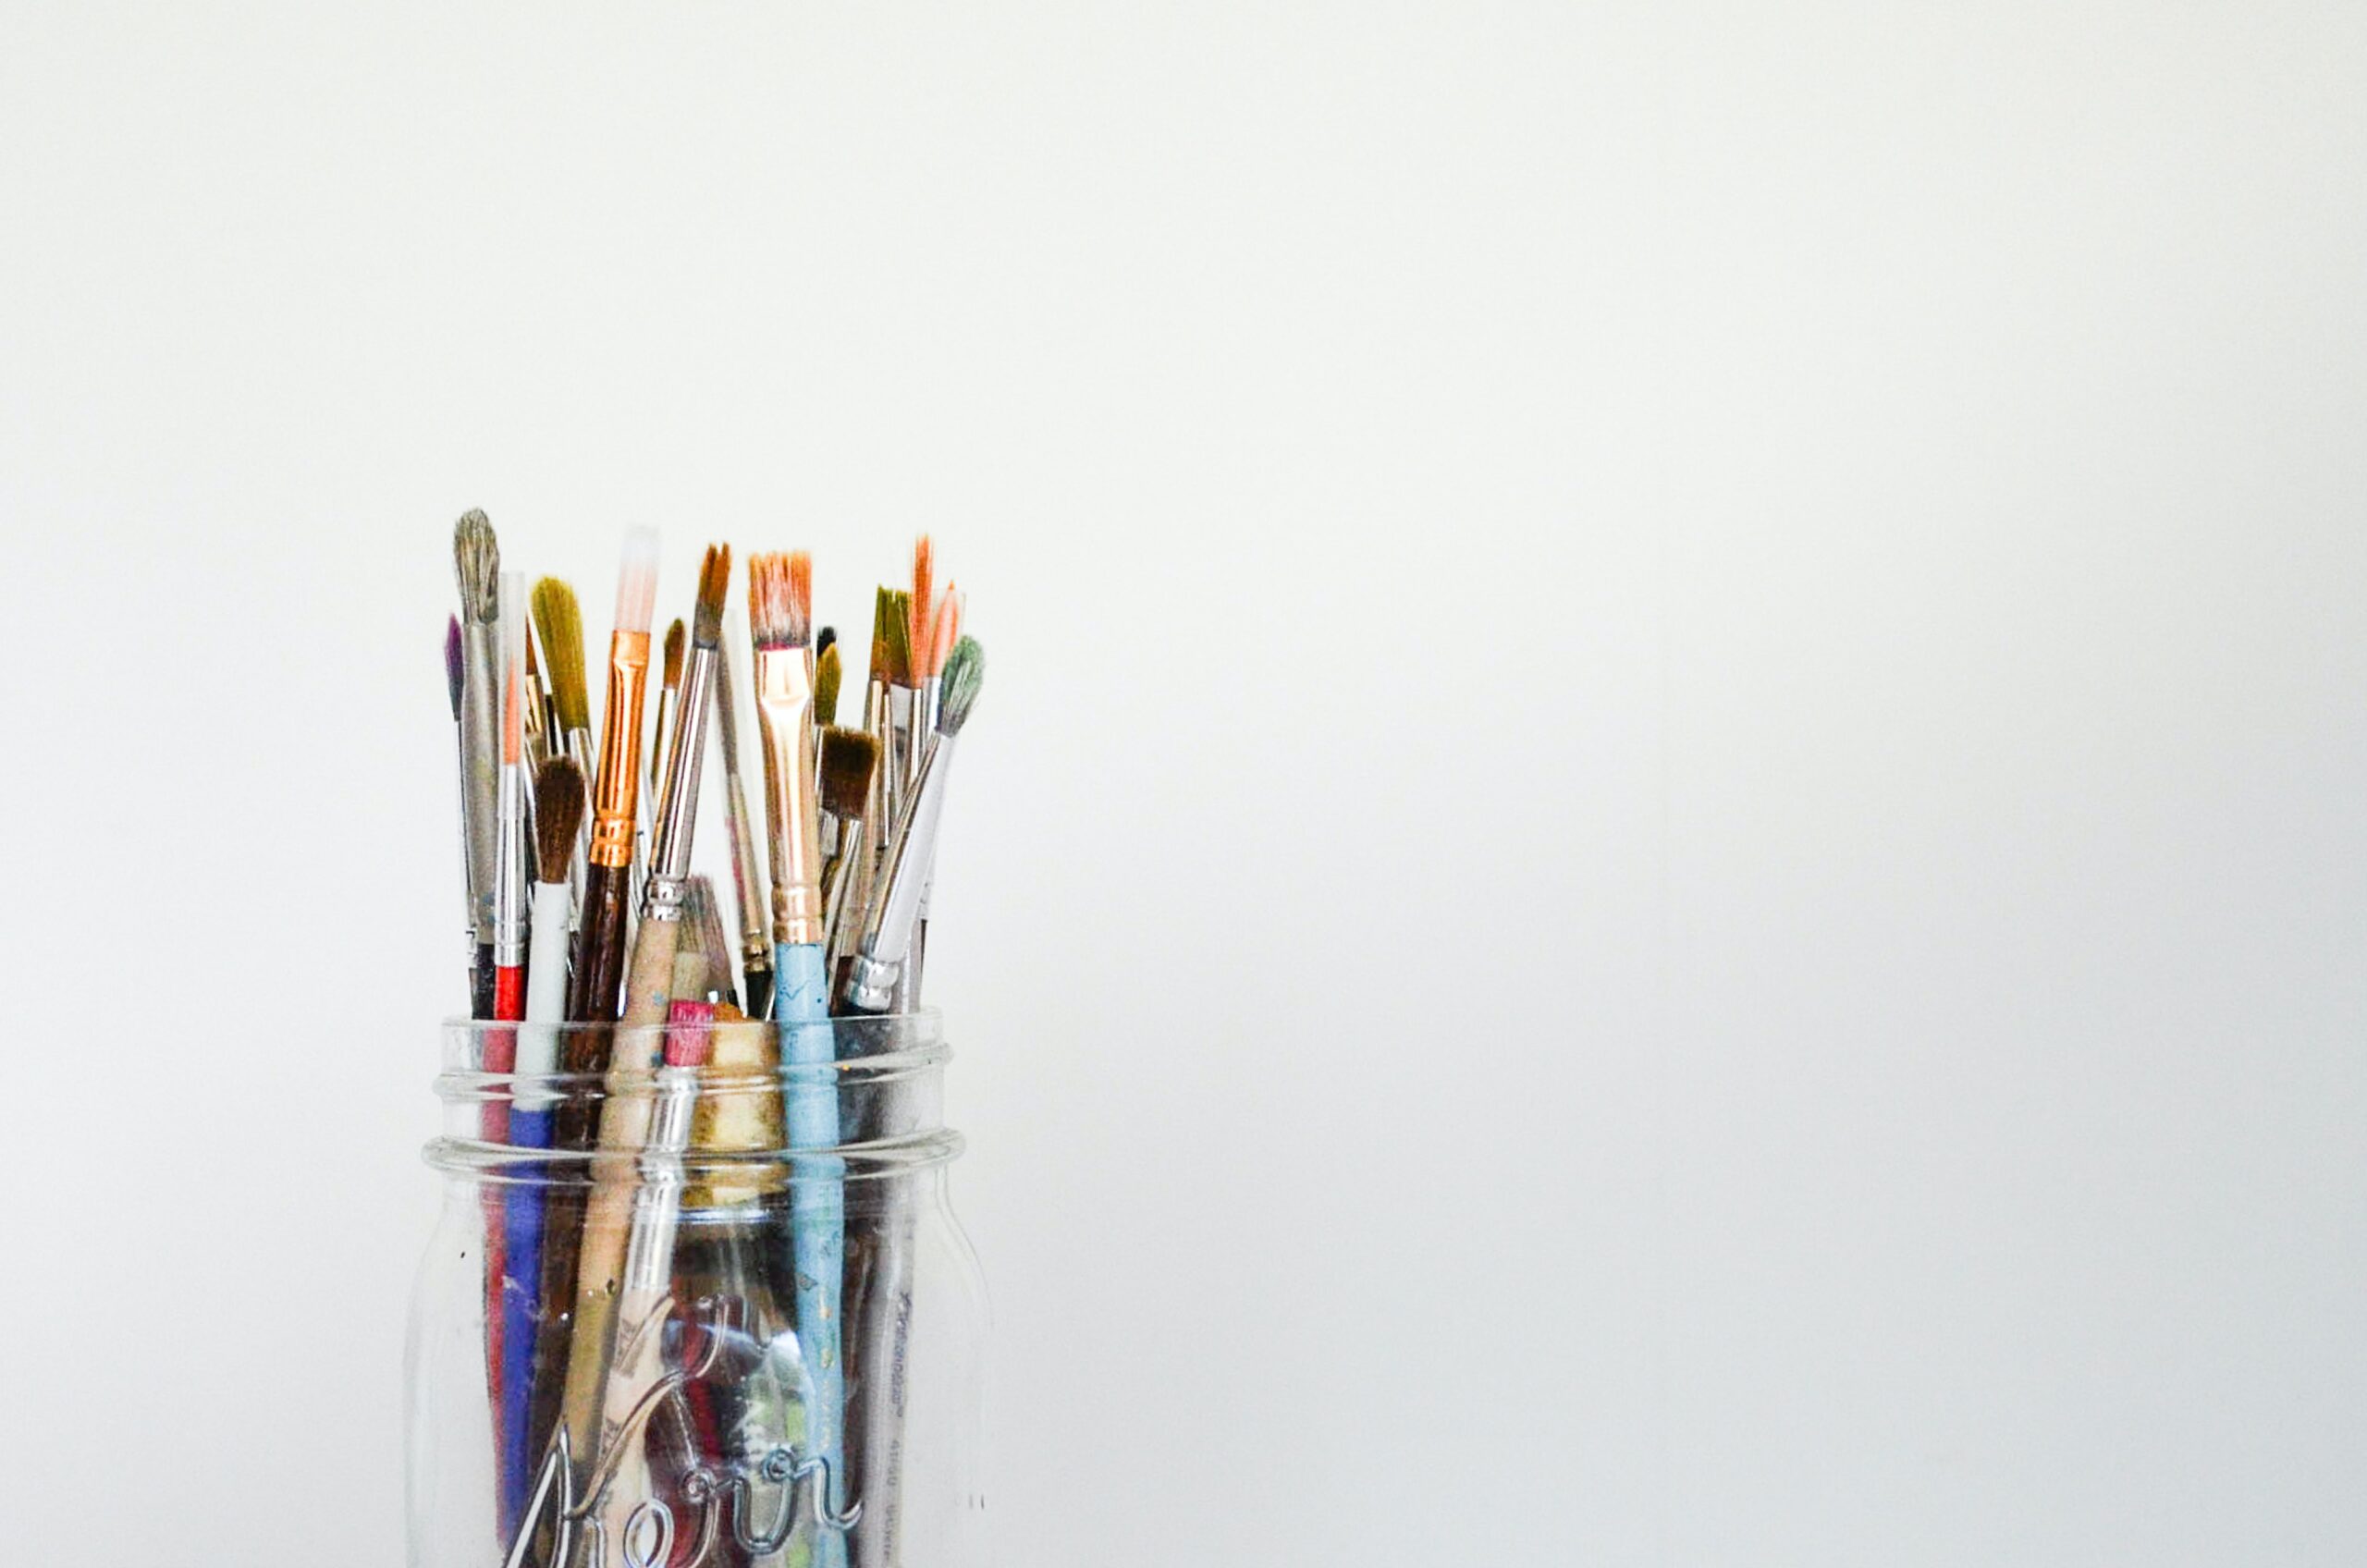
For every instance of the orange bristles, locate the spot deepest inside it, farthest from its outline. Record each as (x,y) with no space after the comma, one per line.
(921,618)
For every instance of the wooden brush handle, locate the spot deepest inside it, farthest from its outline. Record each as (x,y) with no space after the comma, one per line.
(599,946)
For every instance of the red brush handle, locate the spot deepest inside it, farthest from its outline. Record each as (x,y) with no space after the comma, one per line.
(493,1125)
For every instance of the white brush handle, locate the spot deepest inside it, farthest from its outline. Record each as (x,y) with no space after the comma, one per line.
(546,991)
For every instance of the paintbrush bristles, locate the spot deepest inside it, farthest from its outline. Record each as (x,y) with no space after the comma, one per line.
(476,561)
(827,677)
(637,581)
(673,666)
(455,669)
(559,621)
(558,818)
(920,615)
(715,581)
(881,604)
(947,630)
(848,758)
(965,671)
(513,623)
(780,589)
(897,646)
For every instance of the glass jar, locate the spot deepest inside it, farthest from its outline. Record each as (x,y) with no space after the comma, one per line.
(664,1321)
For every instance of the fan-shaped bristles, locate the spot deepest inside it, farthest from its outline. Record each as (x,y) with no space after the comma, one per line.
(827,676)
(920,615)
(897,666)
(456,670)
(559,622)
(848,758)
(637,581)
(779,615)
(559,817)
(947,629)
(715,581)
(673,661)
(965,671)
(476,561)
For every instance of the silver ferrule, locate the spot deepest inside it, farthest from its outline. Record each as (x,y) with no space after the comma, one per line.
(896,767)
(895,907)
(509,871)
(871,984)
(785,729)
(924,703)
(481,759)
(670,854)
(579,746)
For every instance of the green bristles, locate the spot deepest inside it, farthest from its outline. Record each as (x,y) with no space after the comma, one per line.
(965,671)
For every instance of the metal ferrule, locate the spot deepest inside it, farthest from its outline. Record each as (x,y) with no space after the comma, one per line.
(510,872)
(747,879)
(660,747)
(614,798)
(481,755)
(579,746)
(897,765)
(895,907)
(785,730)
(924,703)
(678,804)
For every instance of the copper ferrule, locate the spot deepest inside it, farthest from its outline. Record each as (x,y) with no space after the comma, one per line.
(614,797)
(785,729)
(678,800)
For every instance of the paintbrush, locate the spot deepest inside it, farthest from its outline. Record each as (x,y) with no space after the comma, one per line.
(627,1103)
(600,938)
(848,759)
(703,917)
(539,728)
(827,677)
(661,736)
(892,911)
(560,623)
(526,1418)
(930,657)
(476,562)
(780,619)
(747,874)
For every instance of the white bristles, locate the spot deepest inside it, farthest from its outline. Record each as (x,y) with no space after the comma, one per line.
(637,581)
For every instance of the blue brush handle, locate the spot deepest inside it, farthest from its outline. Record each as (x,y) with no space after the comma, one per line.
(521,1278)
(817,1211)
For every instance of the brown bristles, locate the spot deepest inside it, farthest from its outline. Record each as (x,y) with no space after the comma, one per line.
(559,817)
(673,669)
(883,605)
(715,581)
(781,587)
(848,758)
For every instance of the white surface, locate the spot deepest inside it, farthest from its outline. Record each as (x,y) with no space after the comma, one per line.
(1663,864)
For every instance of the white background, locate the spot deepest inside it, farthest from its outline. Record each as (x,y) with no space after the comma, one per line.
(1663,862)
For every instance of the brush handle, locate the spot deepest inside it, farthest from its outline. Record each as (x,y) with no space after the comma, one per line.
(599,946)
(625,1115)
(481,981)
(818,1212)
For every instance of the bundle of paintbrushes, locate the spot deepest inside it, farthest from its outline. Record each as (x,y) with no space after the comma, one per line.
(598,960)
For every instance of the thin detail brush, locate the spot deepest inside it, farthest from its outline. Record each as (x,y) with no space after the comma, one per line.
(893,909)
(602,1289)
(560,623)
(454,679)
(747,870)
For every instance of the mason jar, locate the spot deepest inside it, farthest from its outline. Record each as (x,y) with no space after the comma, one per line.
(664,1320)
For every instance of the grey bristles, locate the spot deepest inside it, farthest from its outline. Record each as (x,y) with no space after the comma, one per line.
(965,671)
(476,561)
(780,590)
(848,758)
(714,578)
(559,817)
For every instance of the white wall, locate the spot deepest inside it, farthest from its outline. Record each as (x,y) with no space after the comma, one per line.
(1663,865)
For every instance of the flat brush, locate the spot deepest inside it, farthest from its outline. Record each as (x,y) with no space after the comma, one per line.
(477,563)
(559,820)
(559,623)
(627,1108)
(892,912)
(892,673)
(600,937)
(848,759)
(747,872)
(781,591)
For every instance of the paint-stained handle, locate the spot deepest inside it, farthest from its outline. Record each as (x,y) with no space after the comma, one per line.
(599,946)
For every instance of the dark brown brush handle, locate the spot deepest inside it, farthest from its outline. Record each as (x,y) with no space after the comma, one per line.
(599,946)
